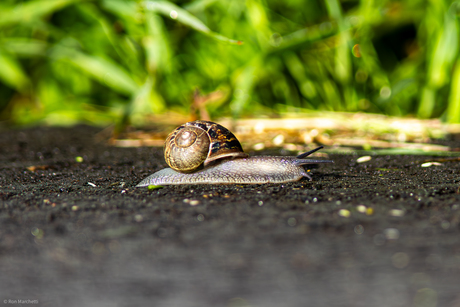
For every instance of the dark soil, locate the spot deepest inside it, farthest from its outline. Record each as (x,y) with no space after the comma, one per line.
(380,233)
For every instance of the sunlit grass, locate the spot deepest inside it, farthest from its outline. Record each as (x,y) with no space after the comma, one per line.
(66,61)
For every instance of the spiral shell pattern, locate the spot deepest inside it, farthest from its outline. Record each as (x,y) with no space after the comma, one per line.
(196,144)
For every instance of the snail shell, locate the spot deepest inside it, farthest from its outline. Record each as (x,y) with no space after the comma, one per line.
(210,142)
(196,144)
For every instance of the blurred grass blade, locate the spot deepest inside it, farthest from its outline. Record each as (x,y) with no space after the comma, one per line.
(177,13)
(173,11)
(427,102)
(199,6)
(342,68)
(156,44)
(24,47)
(300,39)
(259,21)
(342,56)
(101,69)
(128,54)
(444,48)
(24,12)
(297,69)
(143,103)
(244,82)
(125,9)
(453,107)
(11,72)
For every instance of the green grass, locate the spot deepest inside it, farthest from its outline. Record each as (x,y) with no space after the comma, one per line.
(99,62)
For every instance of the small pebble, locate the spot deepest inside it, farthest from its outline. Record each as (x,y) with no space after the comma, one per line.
(278,140)
(363,159)
(37,233)
(361,208)
(193,202)
(391,233)
(396,212)
(290,147)
(259,128)
(138,218)
(428,164)
(292,221)
(445,224)
(258,146)
(344,213)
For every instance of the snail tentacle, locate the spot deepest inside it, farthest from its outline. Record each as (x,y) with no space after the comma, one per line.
(306,154)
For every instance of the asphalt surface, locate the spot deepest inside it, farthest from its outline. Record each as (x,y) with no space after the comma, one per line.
(74,231)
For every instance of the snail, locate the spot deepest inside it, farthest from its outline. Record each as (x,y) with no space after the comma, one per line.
(203,152)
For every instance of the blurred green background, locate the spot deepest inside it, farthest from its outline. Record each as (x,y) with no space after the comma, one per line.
(100,62)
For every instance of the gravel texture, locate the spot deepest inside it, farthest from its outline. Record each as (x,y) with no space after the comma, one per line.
(74,231)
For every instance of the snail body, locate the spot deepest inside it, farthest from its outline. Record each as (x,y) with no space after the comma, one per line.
(224,161)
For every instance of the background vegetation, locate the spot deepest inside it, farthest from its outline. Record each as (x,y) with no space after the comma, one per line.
(68,61)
